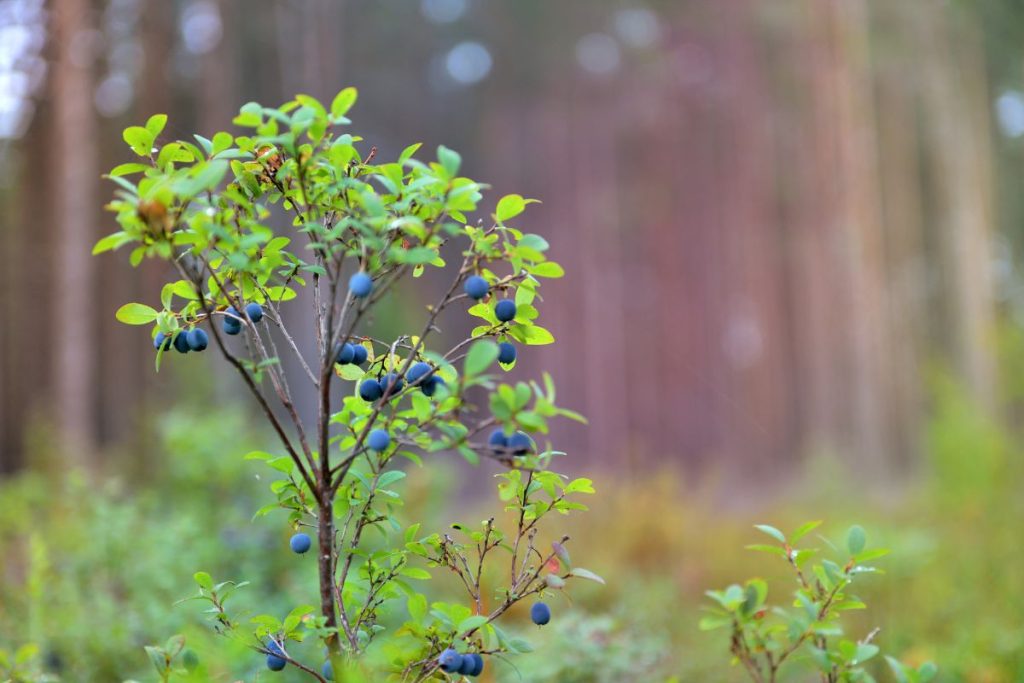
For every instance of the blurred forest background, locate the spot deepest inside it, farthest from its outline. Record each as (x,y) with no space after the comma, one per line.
(791,231)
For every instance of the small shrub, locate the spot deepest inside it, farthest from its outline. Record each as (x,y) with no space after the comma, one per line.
(352,229)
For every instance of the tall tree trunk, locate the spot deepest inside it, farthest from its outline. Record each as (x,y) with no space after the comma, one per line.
(75,194)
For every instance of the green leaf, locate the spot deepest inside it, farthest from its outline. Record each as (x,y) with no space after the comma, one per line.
(204,580)
(343,101)
(803,530)
(481,356)
(350,372)
(872,554)
(450,160)
(155,124)
(470,623)
(710,623)
(547,269)
(111,242)
(771,531)
(581,573)
(856,539)
(534,335)
(136,314)
(509,206)
(417,607)
(127,169)
(865,651)
(207,177)
(139,139)
(763,548)
(535,242)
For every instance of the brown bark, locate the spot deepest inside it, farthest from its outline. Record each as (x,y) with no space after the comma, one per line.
(75,193)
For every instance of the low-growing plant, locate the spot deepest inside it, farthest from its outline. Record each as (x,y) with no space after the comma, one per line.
(764,637)
(247,221)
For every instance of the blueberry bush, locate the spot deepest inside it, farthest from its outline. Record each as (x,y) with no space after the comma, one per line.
(247,222)
(762,638)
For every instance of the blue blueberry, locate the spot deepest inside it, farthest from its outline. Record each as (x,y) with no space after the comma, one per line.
(505,310)
(450,661)
(520,443)
(540,613)
(197,339)
(506,353)
(300,543)
(497,440)
(417,371)
(378,440)
(254,312)
(476,287)
(232,325)
(430,385)
(370,390)
(181,342)
(161,340)
(393,381)
(472,664)
(327,670)
(344,353)
(360,285)
(360,355)
(275,660)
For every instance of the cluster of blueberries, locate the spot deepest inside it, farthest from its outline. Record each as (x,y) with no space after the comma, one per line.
(374,389)
(192,340)
(196,339)
(472,664)
(451,662)
(477,288)
(517,444)
(233,320)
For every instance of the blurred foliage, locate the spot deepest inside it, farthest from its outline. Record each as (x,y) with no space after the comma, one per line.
(91,571)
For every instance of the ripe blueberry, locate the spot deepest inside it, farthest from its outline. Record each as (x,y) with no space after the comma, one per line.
(197,339)
(417,371)
(450,661)
(300,543)
(472,664)
(360,285)
(232,325)
(520,443)
(478,664)
(430,385)
(540,613)
(393,381)
(254,312)
(370,390)
(161,340)
(378,440)
(275,662)
(506,353)
(497,440)
(360,355)
(476,287)
(181,342)
(505,310)
(344,353)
